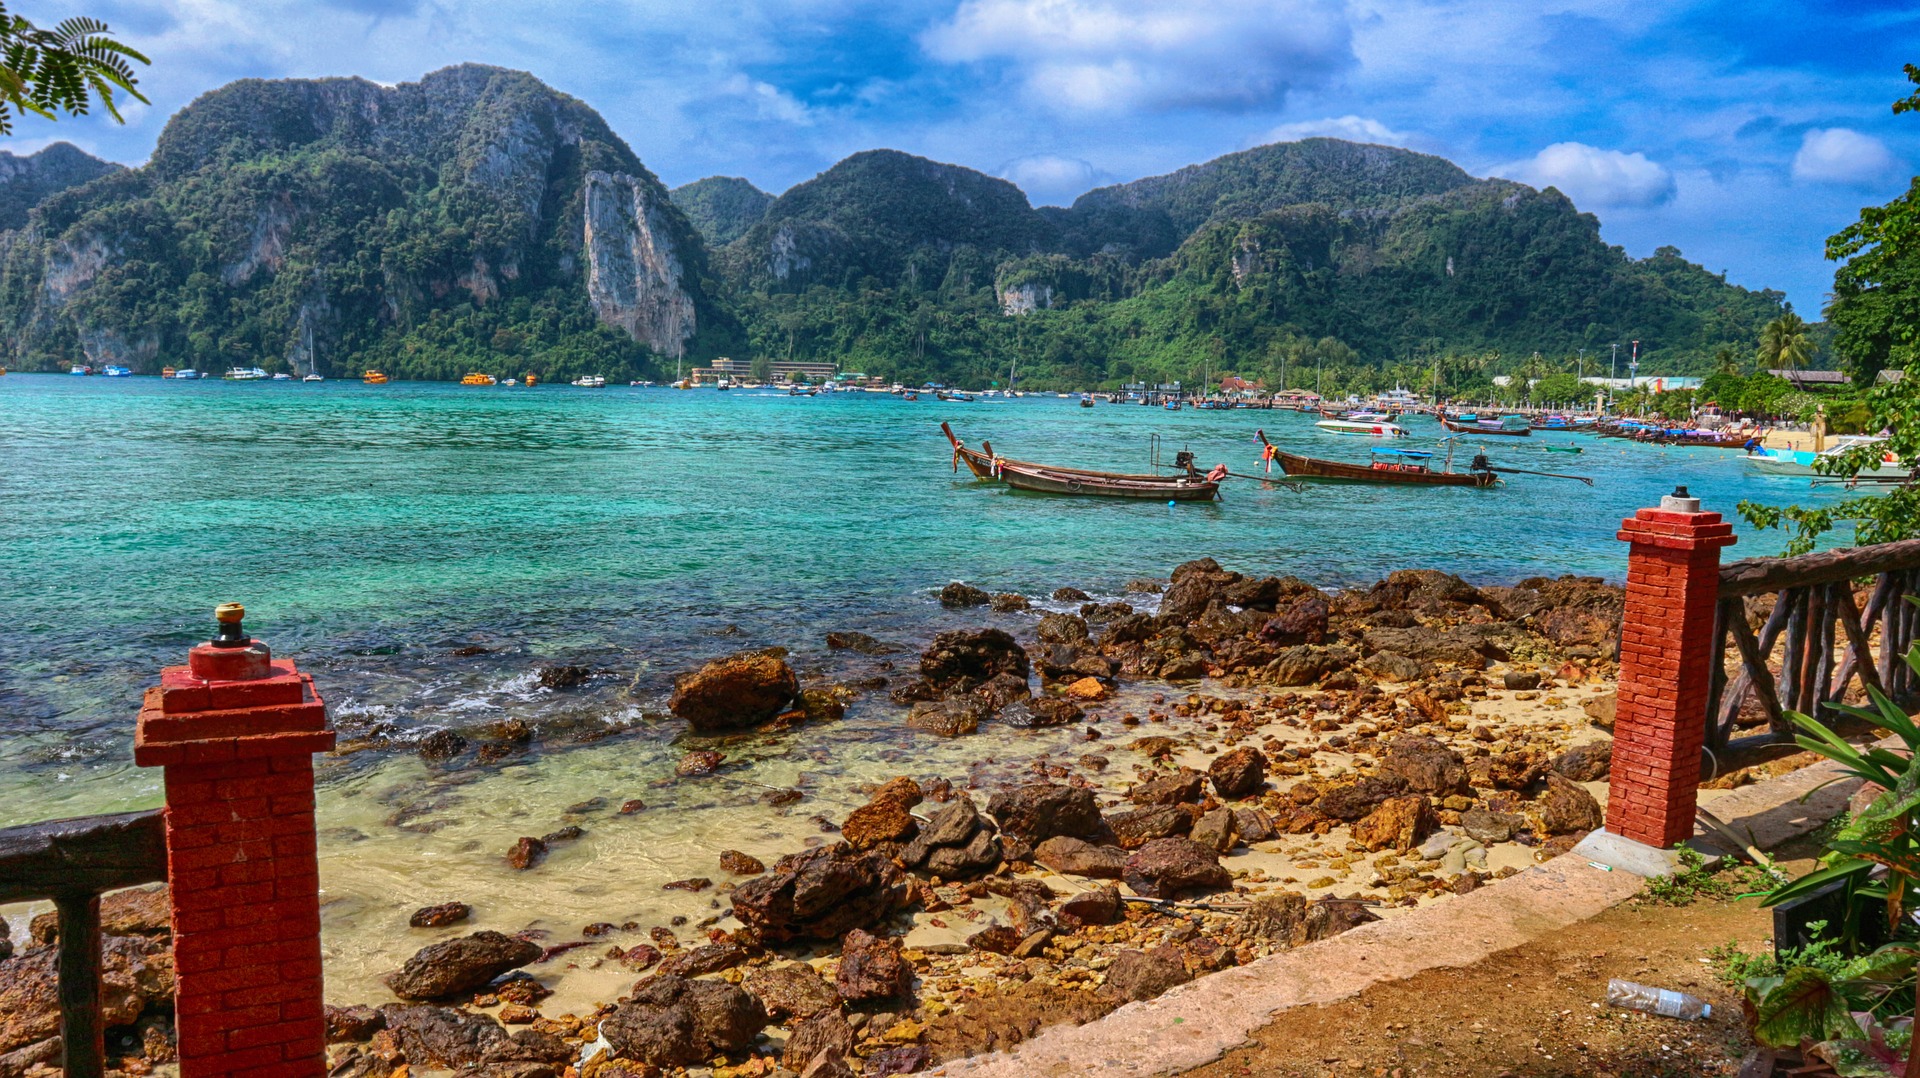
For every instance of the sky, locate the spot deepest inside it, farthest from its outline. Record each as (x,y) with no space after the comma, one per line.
(1743,132)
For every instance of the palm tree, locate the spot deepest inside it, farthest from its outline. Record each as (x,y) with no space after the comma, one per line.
(1784,344)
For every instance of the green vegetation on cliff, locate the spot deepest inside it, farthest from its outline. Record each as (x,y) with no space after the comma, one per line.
(25,182)
(722,207)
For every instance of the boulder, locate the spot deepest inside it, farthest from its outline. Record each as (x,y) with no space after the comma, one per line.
(819,894)
(673,1021)
(957,595)
(795,990)
(562,678)
(1487,827)
(1516,770)
(1137,827)
(1008,602)
(822,1033)
(446,913)
(1038,711)
(1099,906)
(1251,594)
(1400,823)
(1138,975)
(345,1024)
(1062,629)
(1566,807)
(980,854)
(1306,664)
(955,717)
(1187,785)
(741,864)
(1329,916)
(1198,565)
(1216,830)
(137,911)
(1352,800)
(1425,766)
(954,824)
(1426,591)
(459,965)
(1600,710)
(1578,626)
(1189,596)
(1277,919)
(959,660)
(1304,622)
(1070,595)
(740,690)
(1074,857)
(1391,666)
(1039,811)
(135,972)
(1240,773)
(1167,867)
(444,1038)
(708,958)
(879,821)
(1585,763)
(1520,680)
(872,968)
(860,642)
(1254,825)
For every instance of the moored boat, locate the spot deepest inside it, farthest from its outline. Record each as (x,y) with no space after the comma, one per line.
(244,374)
(1487,426)
(477,379)
(113,370)
(1401,467)
(187,373)
(1043,480)
(314,376)
(374,378)
(81,369)
(1361,429)
(1805,462)
(984,463)
(590,381)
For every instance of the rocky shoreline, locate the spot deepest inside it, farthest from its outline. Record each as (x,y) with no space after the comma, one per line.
(1348,754)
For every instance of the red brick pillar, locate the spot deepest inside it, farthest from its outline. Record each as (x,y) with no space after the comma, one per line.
(1666,650)
(236,731)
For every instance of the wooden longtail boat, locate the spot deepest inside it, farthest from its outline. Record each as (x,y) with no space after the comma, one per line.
(1475,428)
(1410,473)
(1048,478)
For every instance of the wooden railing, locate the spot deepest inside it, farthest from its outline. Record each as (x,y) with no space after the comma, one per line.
(73,862)
(1829,638)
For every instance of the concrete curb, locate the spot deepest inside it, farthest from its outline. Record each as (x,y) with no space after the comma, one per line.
(1196,1023)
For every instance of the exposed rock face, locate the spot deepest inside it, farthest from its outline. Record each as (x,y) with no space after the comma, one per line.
(26,181)
(459,965)
(1239,773)
(819,894)
(1425,765)
(739,690)
(672,1021)
(1167,867)
(1567,807)
(963,659)
(135,972)
(1074,857)
(1040,811)
(795,990)
(1138,975)
(871,968)
(1400,823)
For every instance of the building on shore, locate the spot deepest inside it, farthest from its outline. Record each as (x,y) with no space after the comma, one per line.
(779,370)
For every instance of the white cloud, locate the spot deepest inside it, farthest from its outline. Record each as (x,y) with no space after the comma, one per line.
(1114,55)
(1593,177)
(1844,156)
(1049,179)
(1352,128)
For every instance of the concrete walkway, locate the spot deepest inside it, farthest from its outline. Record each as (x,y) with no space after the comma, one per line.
(1196,1023)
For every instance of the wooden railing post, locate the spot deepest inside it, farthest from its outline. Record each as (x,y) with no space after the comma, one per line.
(82,1033)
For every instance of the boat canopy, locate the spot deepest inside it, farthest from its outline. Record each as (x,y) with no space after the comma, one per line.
(1421,453)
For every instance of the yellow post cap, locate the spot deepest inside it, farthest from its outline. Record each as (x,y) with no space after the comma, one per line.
(229,612)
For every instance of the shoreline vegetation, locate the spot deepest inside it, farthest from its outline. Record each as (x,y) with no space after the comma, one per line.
(1255,764)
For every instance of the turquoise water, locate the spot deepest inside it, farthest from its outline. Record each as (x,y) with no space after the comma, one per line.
(373,530)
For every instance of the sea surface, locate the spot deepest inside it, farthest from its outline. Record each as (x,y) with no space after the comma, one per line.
(373,531)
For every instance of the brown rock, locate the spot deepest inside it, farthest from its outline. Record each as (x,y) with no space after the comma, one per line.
(446,913)
(1099,906)
(1040,811)
(956,596)
(1185,786)
(1008,602)
(671,1021)
(1167,867)
(1138,975)
(872,968)
(699,762)
(825,1031)
(1352,800)
(877,822)
(710,958)
(1425,766)
(1566,807)
(956,717)
(526,853)
(1400,823)
(1329,916)
(1305,622)
(1087,688)
(1137,827)
(1254,825)
(1239,773)
(1585,763)
(1280,919)
(459,965)
(1062,629)
(1215,830)
(1600,710)
(819,894)
(795,990)
(743,689)
(962,659)
(1075,857)
(860,642)
(346,1024)
(741,864)
(522,989)
(995,939)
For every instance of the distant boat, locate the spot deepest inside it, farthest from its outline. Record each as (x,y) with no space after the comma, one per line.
(81,369)
(1361,430)
(188,374)
(1804,461)
(478,380)
(1086,401)
(313,378)
(590,381)
(282,376)
(244,374)
(114,371)
(374,378)
(1489,426)
(509,382)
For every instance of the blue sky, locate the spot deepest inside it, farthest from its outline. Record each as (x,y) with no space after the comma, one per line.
(1741,132)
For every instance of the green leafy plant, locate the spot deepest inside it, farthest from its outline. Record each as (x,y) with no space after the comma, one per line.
(45,72)
(1693,879)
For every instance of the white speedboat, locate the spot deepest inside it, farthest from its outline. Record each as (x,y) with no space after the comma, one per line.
(189,373)
(1358,429)
(116,371)
(81,369)
(245,374)
(313,378)
(282,376)
(590,381)
(1804,462)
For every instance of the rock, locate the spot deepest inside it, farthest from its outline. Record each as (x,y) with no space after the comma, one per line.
(1566,807)
(877,822)
(1307,664)
(1070,595)
(871,968)
(741,864)
(1585,763)
(981,854)
(1305,622)
(441,745)
(828,1063)
(673,1021)
(346,1024)
(1488,828)
(957,595)
(1137,827)
(1508,770)
(860,642)
(1400,823)
(1251,594)
(905,1059)
(959,660)
(1040,711)
(1393,666)
(744,689)
(1187,785)
(1239,773)
(1254,825)
(824,1031)
(824,705)
(1167,867)
(699,762)
(1099,906)
(1062,629)
(956,717)
(1352,800)
(1138,975)
(1074,857)
(1278,919)
(1329,916)
(1425,590)
(954,824)
(446,913)
(135,972)
(710,958)
(561,678)
(138,911)
(1600,710)
(1040,811)
(819,894)
(995,939)
(1425,766)
(1215,830)
(794,990)
(1523,681)
(425,1036)
(459,965)
(1008,602)
(1087,688)
(522,989)
(1002,691)
(1578,626)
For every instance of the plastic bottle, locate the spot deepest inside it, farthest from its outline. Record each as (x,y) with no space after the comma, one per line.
(1661,1001)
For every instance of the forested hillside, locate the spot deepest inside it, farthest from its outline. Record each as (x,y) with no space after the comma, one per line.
(478,220)
(25,182)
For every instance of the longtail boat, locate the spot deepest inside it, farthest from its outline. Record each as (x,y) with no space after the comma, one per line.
(1051,479)
(1401,467)
(1486,428)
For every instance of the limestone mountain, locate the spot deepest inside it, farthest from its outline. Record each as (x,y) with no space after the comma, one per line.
(476,219)
(722,207)
(26,181)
